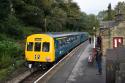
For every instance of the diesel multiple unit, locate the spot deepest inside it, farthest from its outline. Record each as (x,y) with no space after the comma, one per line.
(49,47)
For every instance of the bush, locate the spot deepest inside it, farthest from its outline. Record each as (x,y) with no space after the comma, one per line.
(2,37)
(12,27)
(3,73)
(9,52)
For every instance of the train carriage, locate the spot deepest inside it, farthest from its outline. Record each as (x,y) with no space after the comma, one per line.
(48,48)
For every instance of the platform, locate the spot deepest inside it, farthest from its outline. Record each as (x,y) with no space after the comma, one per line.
(77,69)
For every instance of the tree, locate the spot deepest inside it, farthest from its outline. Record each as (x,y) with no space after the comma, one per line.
(57,18)
(120,9)
(110,16)
(102,15)
(48,14)
(106,15)
(4,9)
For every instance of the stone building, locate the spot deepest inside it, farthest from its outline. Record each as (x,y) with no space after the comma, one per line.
(109,31)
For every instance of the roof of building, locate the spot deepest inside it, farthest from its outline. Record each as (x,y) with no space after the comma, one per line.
(107,24)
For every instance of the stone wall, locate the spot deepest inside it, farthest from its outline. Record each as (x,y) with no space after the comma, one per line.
(116,31)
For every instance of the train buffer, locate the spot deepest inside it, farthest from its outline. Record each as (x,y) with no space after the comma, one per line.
(77,69)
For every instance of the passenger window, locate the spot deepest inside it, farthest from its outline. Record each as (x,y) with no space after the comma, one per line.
(56,43)
(60,43)
(37,46)
(64,40)
(46,47)
(30,46)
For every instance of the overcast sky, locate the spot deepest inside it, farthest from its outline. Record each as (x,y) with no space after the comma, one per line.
(94,6)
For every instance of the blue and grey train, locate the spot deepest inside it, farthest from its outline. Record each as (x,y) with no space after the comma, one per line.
(49,47)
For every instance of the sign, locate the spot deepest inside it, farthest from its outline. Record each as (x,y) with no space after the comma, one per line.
(117,42)
(38,39)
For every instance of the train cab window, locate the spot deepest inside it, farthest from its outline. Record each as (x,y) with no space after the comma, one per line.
(46,47)
(37,46)
(30,46)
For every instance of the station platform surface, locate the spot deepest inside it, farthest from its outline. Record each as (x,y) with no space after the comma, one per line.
(77,69)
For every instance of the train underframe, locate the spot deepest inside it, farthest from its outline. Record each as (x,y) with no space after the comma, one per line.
(42,65)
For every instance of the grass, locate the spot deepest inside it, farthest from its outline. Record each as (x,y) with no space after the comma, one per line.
(6,72)
(3,73)
(10,53)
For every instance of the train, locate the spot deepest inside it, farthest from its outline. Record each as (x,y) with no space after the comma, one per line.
(48,48)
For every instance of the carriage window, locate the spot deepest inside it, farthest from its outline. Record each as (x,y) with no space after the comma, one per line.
(46,47)
(37,46)
(29,46)
(60,43)
(64,41)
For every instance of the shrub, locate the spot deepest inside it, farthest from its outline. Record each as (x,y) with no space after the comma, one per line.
(9,52)
(3,73)
(12,27)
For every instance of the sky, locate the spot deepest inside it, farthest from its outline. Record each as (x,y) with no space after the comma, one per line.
(94,6)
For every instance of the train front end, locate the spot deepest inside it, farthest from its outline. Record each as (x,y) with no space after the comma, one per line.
(40,48)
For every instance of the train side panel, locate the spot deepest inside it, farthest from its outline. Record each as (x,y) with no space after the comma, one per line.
(65,44)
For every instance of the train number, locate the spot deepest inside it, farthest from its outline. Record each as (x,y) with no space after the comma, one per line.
(37,57)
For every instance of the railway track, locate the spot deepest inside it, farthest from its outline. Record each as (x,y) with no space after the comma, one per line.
(41,76)
(34,76)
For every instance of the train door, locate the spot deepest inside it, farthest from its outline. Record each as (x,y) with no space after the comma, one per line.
(117,42)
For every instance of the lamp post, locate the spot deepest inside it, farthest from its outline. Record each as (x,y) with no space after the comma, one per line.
(94,45)
(109,31)
(94,37)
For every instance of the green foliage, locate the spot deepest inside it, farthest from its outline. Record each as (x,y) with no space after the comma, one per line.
(6,72)
(8,53)
(44,14)
(4,9)
(106,15)
(19,18)
(120,8)
(87,22)
(3,73)
(109,14)
(2,37)
(29,12)
(12,27)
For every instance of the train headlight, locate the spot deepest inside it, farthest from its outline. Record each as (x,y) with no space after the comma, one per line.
(48,59)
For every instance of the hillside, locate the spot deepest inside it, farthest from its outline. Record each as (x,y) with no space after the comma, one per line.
(20,18)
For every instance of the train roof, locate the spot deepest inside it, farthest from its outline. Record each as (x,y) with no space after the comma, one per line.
(62,34)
